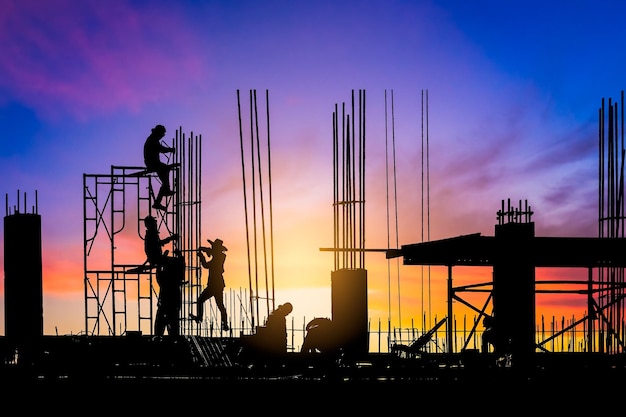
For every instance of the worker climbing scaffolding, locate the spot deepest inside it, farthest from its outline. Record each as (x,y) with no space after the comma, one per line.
(152,150)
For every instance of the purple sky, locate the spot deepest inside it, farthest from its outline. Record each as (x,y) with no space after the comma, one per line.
(514,90)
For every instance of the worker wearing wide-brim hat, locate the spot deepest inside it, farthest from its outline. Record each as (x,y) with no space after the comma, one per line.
(217,245)
(216,255)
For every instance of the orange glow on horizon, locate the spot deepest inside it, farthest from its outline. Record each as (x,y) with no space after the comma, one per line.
(305,281)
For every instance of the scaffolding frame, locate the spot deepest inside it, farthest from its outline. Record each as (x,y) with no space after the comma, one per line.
(121,295)
(603,326)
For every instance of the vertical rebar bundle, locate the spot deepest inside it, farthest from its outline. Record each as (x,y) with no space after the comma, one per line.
(188,221)
(349,277)
(349,184)
(260,271)
(610,298)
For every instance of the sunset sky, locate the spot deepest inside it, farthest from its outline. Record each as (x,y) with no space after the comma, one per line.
(513,90)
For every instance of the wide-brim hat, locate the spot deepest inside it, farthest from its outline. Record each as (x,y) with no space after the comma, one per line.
(218,244)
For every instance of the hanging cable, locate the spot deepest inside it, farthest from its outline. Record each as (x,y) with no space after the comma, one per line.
(262,206)
(269,171)
(428,202)
(395,203)
(425,175)
(245,206)
(387,208)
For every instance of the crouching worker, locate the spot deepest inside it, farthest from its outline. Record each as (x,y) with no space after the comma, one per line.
(319,336)
(269,344)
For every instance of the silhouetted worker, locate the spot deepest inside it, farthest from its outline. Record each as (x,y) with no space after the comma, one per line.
(319,336)
(275,332)
(170,279)
(489,334)
(214,263)
(152,150)
(156,258)
(153,244)
(269,344)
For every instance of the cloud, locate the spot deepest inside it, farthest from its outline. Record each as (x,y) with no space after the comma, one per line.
(86,58)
